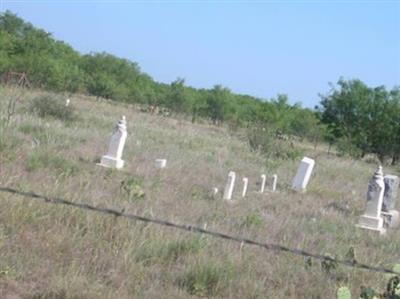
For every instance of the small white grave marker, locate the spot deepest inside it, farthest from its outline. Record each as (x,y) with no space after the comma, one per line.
(245,183)
(303,174)
(263,180)
(67,101)
(116,146)
(215,191)
(372,218)
(274,182)
(161,163)
(229,186)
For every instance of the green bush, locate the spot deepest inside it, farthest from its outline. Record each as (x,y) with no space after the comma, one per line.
(52,106)
(267,143)
(347,147)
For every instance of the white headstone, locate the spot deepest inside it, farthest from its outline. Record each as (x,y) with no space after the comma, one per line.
(116,146)
(274,182)
(161,163)
(229,186)
(215,191)
(372,218)
(303,174)
(263,180)
(67,101)
(245,183)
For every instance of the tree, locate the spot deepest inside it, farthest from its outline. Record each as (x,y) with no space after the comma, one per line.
(364,119)
(176,98)
(217,102)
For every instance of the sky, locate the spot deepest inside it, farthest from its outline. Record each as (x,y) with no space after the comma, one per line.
(255,47)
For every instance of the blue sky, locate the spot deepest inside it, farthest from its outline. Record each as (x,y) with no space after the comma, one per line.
(259,48)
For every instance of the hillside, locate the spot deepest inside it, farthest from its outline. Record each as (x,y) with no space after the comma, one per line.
(49,251)
(356,118)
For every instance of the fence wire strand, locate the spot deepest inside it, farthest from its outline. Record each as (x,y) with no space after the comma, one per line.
(196,229)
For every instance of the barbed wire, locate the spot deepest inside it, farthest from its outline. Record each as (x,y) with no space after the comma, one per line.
(195,229)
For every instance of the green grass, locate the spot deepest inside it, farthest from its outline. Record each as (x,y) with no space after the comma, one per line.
(51,251)
(153,252)
(207,279)
(42,159)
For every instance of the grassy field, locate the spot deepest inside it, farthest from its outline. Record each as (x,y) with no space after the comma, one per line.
(49,251)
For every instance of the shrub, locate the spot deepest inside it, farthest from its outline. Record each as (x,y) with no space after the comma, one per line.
(53,106)
(347,147)
(265,141)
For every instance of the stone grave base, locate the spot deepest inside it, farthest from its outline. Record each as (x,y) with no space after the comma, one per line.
(372,223)
(111,162)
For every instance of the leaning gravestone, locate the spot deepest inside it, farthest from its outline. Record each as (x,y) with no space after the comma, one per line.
(372,218)
(116,146)
(229,186)
(303,174)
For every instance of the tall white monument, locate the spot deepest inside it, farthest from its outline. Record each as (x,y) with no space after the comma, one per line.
(116,146)
(263,181)
(303,174)
(372,218)
(229,186)
(245,184)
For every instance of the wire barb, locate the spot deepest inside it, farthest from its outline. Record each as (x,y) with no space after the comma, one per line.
(195,229)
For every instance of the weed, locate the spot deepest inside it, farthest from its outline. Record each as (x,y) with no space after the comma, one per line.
(207,280)
(8,143)
(252,219)
(132,189)
(173,250)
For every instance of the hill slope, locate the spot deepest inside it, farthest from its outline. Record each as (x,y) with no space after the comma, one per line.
(51,251)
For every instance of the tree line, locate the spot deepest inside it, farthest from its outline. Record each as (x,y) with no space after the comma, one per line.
(358,118)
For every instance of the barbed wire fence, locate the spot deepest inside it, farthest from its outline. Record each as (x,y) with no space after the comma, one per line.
(199,230)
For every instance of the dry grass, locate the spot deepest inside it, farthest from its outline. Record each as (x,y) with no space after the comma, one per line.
(59,252)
